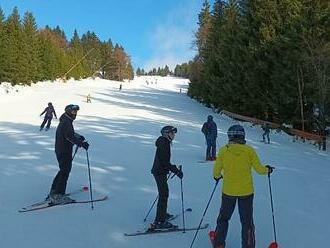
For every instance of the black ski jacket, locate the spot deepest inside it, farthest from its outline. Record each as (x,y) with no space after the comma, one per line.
(162,164)
(65,136)
(49,112)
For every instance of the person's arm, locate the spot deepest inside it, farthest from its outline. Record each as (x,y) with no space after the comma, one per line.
(43,112)
(70,136)
(256,164)
(218,166)
(164,156)
(54,113)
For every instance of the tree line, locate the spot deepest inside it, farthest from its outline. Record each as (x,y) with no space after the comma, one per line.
(29,54)
(264,58)
(160,71)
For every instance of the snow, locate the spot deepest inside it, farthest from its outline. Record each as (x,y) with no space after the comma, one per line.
(121,127)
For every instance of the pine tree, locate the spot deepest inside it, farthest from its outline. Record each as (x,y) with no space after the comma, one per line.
(31,48)
(2,45)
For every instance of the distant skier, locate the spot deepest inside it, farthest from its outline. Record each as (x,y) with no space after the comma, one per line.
(88,98)
(210,131)
(48,116)
(120,87)
(64,141)
(160,171)
(266,129)
(234,163)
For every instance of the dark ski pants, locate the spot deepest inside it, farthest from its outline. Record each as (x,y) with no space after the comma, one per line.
(266,134)
(61,178)
(48,120)
(161,181)
(245,209)
(211,148)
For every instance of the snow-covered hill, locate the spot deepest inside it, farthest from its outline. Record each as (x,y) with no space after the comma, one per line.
(121,127)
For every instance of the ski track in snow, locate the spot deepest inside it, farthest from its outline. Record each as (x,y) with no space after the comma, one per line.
(121,127)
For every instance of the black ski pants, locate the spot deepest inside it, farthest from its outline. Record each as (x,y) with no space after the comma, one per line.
(48,120)
(245,209)
(62,176)
(163,193)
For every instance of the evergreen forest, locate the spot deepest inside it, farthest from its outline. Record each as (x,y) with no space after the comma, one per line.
(29,54)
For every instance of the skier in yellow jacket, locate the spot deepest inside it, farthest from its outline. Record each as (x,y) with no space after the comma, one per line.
(234,163)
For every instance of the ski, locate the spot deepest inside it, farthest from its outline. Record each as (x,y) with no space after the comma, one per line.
(83,189)
(180,214)
(176,229)
(48,205)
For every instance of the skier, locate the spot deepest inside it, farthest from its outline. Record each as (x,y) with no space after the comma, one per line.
(234,163)
(210,131)
(160,171)
(120,87)
(48,116)
(266,129)
(64,141)
(88,98)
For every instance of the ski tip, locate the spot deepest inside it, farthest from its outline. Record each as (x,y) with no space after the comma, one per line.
(212,235)
(188,209)
(85,188)
(273,245)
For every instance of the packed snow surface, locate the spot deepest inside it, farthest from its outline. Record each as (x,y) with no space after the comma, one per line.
(121,127)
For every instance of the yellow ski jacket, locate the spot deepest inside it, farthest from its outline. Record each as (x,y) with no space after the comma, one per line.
(234,163)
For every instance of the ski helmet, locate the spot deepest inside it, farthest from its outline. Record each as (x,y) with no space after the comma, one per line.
(50,104)
(210,118)
(168,129)
(71,107)
(236,132)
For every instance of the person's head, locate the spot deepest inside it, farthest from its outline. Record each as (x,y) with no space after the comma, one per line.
(169,132)
(72,110)
(210,118)
(50,104)
(236,134)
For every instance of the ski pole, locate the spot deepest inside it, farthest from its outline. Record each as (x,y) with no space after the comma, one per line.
(75,152)
(273,244)
(183,220)
(152,205)
(90,180)
(207,206)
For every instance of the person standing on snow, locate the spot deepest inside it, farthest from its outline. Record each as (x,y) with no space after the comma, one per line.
(266,129)
(234,163)
(160,170)
(210,131)
(48,116)
(64,141)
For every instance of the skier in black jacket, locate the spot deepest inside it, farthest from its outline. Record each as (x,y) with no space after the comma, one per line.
(160,170)
(64,141)
(48,116)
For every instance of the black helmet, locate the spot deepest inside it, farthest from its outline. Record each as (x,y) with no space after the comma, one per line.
(236,132)
(50,104)
(71,107)
(168,129)
(210,118)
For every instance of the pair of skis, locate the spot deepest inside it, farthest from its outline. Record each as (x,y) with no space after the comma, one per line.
(47,204)
(167,230)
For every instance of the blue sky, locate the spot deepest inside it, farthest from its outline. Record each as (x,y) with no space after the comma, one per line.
(153,33)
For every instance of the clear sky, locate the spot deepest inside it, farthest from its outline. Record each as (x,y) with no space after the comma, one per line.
(153,33)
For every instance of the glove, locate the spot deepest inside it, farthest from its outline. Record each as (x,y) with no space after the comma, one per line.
(216,179)
(82,138)
(270,169)
(179,174)
(85,145)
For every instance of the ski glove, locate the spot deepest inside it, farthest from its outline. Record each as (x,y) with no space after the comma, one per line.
(179,174)
(270,169)
(85,145)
